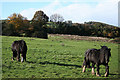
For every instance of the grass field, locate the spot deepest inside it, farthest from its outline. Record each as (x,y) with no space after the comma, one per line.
(55,57)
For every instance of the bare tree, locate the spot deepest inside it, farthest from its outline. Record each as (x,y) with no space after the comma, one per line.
(56,18)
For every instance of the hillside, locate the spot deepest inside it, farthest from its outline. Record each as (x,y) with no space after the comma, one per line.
(97,29)
(100,24)
(37,29)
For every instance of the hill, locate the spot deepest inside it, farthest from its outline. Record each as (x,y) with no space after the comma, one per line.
(97,29)
(40,30)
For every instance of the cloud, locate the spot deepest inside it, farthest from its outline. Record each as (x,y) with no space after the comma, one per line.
(75,12)
(28,13)
(78,11)
(49,10)
(105,11)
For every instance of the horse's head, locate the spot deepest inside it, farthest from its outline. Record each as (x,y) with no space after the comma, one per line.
(106,51)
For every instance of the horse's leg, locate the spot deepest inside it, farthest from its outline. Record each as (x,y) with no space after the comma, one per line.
(88,64)
(84,68)
(97,71)
(22,57)
(84,65)
(18,56)
(107,70)
(14,55)
(93,72)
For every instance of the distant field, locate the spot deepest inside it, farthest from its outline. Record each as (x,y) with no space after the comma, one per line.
(56,57)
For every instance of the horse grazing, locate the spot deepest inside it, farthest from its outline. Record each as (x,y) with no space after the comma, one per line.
(97,57)
(17,48)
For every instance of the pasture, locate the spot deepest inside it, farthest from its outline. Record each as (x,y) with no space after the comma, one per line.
(55,57)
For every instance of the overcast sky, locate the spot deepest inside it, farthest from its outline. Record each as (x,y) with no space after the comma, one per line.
(79,11)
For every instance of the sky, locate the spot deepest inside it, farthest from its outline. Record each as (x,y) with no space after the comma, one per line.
(79,11)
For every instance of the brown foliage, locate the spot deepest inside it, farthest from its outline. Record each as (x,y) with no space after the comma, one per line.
(20,23)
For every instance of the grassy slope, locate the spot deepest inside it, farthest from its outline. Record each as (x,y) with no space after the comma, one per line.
(53,58)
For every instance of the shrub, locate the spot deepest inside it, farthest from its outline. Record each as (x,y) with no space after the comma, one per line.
(40,34)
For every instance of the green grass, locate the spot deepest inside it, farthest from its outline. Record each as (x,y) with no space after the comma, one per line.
(54,58)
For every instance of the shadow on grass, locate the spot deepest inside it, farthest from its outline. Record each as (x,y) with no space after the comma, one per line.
(55,63)
(114,74)
(60,64)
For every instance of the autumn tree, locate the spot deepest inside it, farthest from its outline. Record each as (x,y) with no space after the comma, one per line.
(8,29)
(18,23)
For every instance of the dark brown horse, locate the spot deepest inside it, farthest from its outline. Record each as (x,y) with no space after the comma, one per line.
(19,47)
(97,57)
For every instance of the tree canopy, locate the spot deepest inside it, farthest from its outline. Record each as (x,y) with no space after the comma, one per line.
(17,23)
(39,26)
(56,18)
(40,16)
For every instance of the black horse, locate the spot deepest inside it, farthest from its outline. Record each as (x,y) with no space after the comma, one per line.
(97,57)
(17,48)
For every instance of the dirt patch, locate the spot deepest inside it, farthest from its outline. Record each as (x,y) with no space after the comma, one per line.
(76,37)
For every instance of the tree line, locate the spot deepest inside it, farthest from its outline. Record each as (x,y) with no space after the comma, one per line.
(41,25)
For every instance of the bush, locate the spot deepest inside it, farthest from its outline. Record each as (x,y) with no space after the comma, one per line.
(40,34)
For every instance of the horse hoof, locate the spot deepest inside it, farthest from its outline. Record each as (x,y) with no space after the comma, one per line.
(93,73)
(12,60)
(98,75)
(83,70)
(106,75)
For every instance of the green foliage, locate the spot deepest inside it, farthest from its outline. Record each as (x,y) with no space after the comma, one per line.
(17,25)
(104,30)
(54,57)
(40,34)
(9,30)
(37,24)
(40,16)
(86,29)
